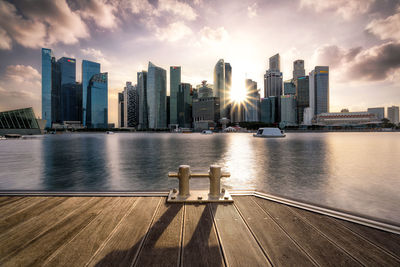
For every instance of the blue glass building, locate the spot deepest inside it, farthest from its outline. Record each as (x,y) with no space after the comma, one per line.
(89,69)
(143,107)
(97,101)
(321,83)
(70,91)
(157,97)
(47,58)
(174,81)
(184,105)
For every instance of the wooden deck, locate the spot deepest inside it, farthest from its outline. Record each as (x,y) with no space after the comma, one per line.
(145,231)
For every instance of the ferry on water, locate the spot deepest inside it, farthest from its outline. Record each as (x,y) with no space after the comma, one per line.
(269,133)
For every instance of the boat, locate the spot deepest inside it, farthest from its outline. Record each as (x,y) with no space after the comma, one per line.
(206,132)
(110,132)
(269,133)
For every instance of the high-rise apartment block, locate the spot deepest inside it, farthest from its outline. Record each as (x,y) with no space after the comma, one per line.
(393,114)
(157,97)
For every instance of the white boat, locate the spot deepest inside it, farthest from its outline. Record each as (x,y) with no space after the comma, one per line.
(269,133)
(206,132)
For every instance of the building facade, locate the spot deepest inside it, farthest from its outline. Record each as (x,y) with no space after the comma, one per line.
(393,114)
(303,97)
(204,90)
(89,69)
(157,97)
(20,121)
(252,103)
(174,82)
(273,78)
(289,88)
(143,106)
(298,69)
(321,83)
(47,86)
(97,102)
(206,111)
(269,110)
(121,110)
(184,105)
(379,112)
(131,107)
(288,110)
(346,118)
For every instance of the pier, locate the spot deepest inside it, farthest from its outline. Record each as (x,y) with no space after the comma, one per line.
(144,230)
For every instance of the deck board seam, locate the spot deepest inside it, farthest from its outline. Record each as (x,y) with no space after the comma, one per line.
(314,261)
(221,247)
(324,235)
(371,242)
(142,242)
(101,247)
(182,236)
(254,236)
(20,248)
(57,251)
(24,208)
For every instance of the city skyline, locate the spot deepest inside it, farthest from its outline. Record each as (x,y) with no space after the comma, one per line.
(360,47)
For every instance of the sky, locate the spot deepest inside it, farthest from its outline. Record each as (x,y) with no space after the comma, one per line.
(358,39)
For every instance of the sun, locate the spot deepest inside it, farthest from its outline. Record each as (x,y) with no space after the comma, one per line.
(238,94)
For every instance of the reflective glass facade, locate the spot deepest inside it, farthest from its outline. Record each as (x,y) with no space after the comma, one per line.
(289,88)
(303,96)
(46,85)
(157,97)
(18,119)
(143,106)
(269,110)
(97,102)
(174,81)
(89,69)
(321,89)
(184,105)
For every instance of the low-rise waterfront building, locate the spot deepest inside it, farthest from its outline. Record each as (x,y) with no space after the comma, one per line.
(379,112)
(20,121)
(346,118)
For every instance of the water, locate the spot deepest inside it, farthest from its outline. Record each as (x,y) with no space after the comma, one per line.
(357,172)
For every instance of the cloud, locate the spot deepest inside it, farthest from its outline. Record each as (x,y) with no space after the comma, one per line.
(210,35)
(376,63)
(387,28)
(96,55)
(252,10)
(99,11)
(174,8)
(20,87)
(173,32)
(347,9)
(5,40)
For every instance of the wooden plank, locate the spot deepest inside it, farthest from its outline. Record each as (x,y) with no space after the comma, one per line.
(363,251)
(25,232)
(9,200)
(238,244)
(87,242)
(2,199)
(388,241)
(40,205)
(17,206)
(38,250)
(200,243)
(163,244)
(317,246)
(279,247)
(124,243)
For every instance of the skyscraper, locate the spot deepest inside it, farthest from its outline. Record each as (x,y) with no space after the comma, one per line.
(289,88)
(321,81)
(157,97)
(393,114)
(143,106)
(47,86)
(222,85)
(97,101)
(253,100)
(205,90)
(131,107)
(303,97)
(273,78)
(269,110)
(89,69)
(184,105)
(70,91)
(288,110)
(174,82)
(298,69)
(121,110)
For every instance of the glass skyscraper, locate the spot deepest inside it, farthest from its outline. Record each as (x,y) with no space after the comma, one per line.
(252,102)
(157,97)
(303,97)
(70,91)
(321,80)
(184,105)
(143,106)
(89,69)
(97,101)
(174,82)
(47,58)
(222,85)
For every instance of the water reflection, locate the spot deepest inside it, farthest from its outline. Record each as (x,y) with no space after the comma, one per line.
(350,171)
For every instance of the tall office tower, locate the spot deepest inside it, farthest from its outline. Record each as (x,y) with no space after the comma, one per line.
(321,81)
(89,69)
(121,110)
(174,82)
(143,106)
(288,110)
(393,114)
(303,97)
(311,94)
(289,88)
(69,89)
(379,112)
(298,69)
(184,105)
(97,101)
(273,78)
(157,97)
(204,90)
(131,107)
(48,86)
(269,110)
(222,85)
(252,103)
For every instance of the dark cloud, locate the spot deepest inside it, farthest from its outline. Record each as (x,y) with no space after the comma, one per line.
(384,7)
(376,63)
